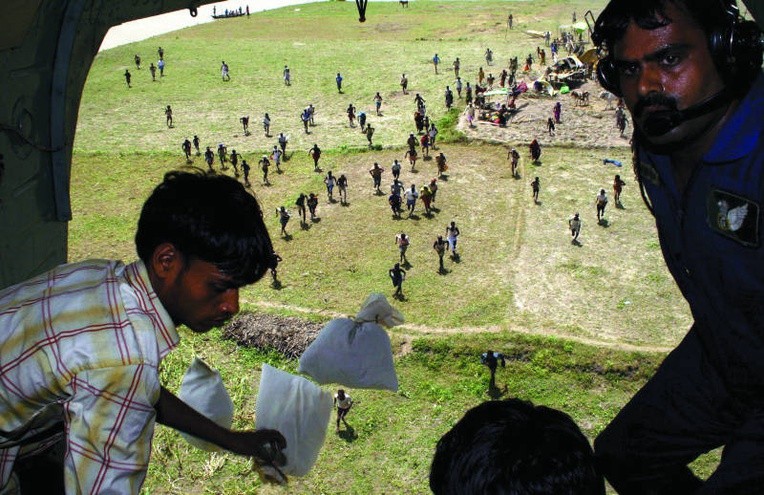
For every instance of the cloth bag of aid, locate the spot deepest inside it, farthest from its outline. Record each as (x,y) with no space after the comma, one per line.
(203,389)
(355,352)
(299,410)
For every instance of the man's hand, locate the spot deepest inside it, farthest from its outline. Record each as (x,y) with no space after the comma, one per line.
(264,445)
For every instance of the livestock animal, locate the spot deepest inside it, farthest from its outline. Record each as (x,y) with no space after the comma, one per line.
(581,99)
(609,97)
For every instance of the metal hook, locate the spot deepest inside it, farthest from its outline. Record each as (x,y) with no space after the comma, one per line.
(193,12)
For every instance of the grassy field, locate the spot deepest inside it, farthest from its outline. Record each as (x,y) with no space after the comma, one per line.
(585,325)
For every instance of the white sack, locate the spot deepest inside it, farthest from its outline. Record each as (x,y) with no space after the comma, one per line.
(203,389)
(356,352)
(299,410)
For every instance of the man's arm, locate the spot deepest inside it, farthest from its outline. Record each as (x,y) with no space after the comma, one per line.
(173,412)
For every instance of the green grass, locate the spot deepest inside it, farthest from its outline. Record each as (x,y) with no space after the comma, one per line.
(562,312)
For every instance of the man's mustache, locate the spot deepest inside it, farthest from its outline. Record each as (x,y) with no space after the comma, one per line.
(655,99)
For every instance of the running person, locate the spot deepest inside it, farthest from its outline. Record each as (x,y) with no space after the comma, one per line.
(535,187)
(300,202)
(601,203)
(315,153)
(376,174)
(440,246)
(397,275)
(452,236)
(342,185)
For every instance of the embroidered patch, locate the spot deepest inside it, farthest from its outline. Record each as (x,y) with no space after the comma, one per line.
(734,216)
(647,171)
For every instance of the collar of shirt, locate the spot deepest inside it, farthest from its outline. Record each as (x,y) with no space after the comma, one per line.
(137,277)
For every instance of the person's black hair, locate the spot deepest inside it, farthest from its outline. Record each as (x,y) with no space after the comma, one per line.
(512,447)
(210,217)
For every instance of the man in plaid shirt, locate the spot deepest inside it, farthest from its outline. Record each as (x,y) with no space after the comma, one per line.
(81,345)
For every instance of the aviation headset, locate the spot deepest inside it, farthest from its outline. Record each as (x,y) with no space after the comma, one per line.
(736,48)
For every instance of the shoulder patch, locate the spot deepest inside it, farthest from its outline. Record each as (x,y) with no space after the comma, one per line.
(734,217)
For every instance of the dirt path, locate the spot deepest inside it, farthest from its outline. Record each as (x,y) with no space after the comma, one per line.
(411,331)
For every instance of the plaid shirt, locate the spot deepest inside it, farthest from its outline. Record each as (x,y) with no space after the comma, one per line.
(80,348)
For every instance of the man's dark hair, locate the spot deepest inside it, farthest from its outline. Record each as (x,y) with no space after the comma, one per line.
(210,217)
(512,447)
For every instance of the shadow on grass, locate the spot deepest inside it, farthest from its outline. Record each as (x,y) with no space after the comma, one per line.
(496,393)
(348,434)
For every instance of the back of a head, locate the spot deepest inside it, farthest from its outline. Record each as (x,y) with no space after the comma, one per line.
(210,217)
(512,447)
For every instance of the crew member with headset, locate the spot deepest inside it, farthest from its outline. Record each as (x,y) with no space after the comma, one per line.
(690,74)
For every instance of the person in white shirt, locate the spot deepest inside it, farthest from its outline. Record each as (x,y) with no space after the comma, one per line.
(411,197)
(452,234)
(343,403)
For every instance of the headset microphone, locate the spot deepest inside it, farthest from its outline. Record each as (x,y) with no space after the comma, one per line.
(659,123)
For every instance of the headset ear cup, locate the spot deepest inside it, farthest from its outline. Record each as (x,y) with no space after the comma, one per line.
(745,53)
(608,76)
